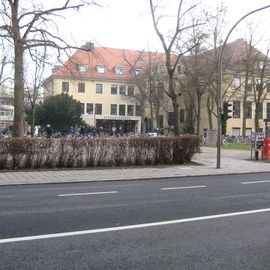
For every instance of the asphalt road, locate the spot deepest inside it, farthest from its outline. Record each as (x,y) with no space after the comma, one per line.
(217,222)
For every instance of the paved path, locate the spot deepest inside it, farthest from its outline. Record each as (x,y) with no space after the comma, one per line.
(232,162)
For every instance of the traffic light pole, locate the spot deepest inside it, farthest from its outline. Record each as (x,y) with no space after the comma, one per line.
(219,85)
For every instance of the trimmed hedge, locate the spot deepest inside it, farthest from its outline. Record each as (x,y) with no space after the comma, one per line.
(34,153)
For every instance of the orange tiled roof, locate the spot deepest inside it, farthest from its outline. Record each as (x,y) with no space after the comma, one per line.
(110,58)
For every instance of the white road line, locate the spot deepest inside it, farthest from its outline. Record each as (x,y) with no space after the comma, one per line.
(131,227)
(90,193)
(255,182)
(188,187)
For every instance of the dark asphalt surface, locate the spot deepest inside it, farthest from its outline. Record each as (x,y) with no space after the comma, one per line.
(240,242)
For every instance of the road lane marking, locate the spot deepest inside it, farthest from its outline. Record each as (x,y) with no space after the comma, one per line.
(131,227)
(188,187)
(89,193)
(255,182)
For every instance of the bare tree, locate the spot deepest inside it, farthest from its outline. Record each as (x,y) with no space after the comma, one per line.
(196,72)
(33,85)
(28,28)
(215,27)
(260,83)
(141,82)
(149,83)
(174,49)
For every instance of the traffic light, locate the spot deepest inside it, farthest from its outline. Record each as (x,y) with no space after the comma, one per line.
(225,116)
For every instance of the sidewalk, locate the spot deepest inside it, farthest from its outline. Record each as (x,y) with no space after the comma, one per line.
(232,162)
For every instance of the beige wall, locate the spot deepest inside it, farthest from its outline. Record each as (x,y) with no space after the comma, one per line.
(106,99)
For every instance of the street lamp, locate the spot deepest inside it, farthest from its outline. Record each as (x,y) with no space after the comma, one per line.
(219,83)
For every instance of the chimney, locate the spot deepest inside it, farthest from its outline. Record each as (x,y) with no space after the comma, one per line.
(55,68)
(89,46)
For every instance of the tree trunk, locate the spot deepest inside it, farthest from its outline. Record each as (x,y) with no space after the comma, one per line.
(176,117)
(198,115)
(143,126)
(157,117)
(18,93)
(256,118)
(18,130)
(209,112)
(33,120)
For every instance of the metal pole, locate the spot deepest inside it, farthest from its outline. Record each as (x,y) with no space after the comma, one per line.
(219,84)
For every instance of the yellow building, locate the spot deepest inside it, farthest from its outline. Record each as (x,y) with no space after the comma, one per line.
(246,79)
(108,84)
(105,81)
(250,78)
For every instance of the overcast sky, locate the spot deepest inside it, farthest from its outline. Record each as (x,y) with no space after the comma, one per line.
(127,23)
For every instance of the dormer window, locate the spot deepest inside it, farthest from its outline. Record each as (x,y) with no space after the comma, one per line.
(83,68)
(137,72)
(101,69)
(260,64)
(119,70)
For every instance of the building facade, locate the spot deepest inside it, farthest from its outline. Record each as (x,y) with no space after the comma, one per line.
(111,83)
(6,107)
(105,81)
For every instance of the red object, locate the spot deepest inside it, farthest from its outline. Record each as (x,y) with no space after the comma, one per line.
(266,149)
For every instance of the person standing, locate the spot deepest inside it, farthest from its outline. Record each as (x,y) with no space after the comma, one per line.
(49,131)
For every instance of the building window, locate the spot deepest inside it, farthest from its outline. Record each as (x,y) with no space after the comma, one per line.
(130,90)
(160,121)
(122,109)
(171,118)
(83,68)
(258,85)
(65,87)
(114,89)
(137,72)
(82,108)
(130,110)
(5,112)
(138,110)
(248,112)
(236,109)
(98,109)
(249,85)
(81,87)
(119,70)
(236,131)
(90,108)
(236,83)
(101,69)
(182,116)
(122,90)
(99,88)
(268,110)
(260,64)
(113,109)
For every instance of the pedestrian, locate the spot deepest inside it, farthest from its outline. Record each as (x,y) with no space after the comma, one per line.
(49,131)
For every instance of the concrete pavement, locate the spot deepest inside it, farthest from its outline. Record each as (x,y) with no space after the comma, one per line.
(204,163)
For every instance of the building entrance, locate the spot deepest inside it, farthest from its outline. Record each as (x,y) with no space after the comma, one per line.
(113,127)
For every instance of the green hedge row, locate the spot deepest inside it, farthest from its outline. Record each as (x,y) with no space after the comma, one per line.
(33,153)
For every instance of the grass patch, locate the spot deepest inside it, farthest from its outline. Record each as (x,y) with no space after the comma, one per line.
(236,146)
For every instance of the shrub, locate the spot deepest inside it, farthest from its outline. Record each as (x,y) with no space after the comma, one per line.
(30,153)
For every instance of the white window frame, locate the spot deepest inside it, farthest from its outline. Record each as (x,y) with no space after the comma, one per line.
(101,69)
(137,72)
(99,91)
(83,68)
(119,71)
